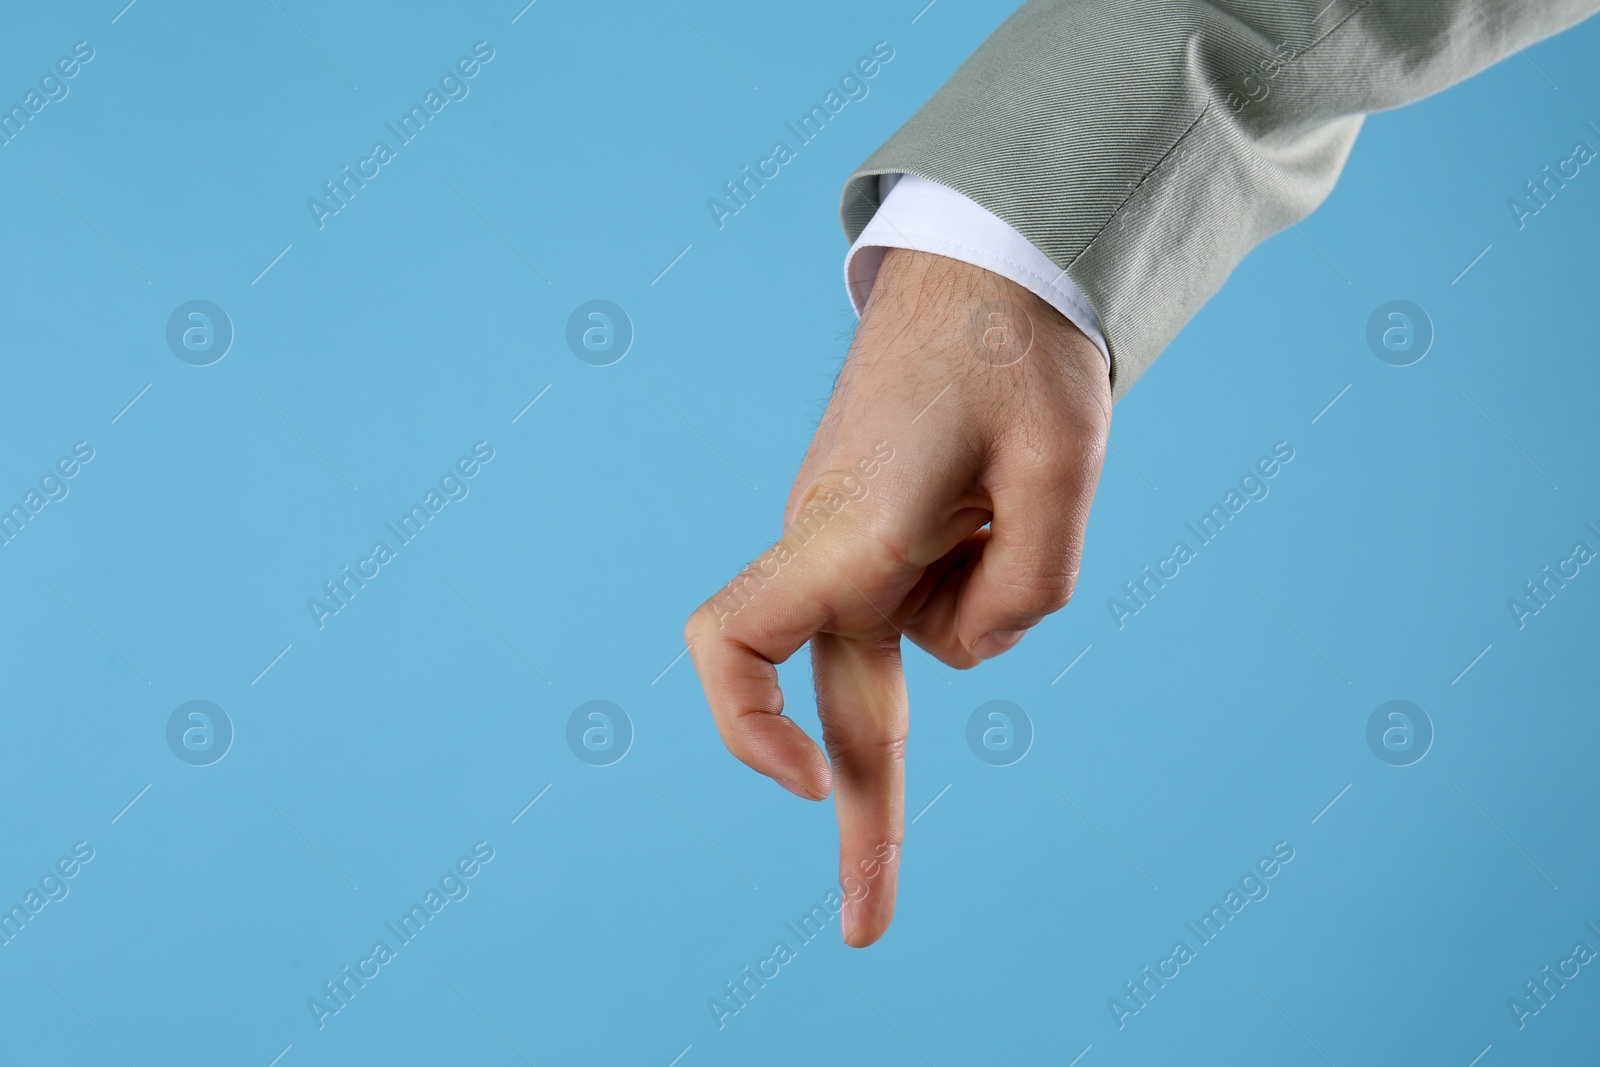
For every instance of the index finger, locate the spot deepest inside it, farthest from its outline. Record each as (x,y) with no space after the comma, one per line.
(736,639)
(814,579)
(736,644)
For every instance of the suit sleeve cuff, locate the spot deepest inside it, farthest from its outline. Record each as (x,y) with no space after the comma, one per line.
(925,216)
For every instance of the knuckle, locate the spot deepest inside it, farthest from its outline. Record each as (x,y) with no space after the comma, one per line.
(943,645)
(893,546)
(956,657)
(1073,461)
(694,625)
(1040,591)
(890,748)
(1063,464)
(832,507)
(703,623)
(875,753)
(1065,454)
(1091,455)
(829,494)
(863,746)
(1042,476)
(1054,590)
(744,589)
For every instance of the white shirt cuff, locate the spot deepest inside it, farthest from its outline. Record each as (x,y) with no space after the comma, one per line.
(925,216)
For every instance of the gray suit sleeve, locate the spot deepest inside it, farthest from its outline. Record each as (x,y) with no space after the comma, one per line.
(1146,145)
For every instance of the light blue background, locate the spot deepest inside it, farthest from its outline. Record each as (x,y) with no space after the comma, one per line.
(413,726)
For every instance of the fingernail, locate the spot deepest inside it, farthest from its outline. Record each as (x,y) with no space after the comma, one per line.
(847,919)
(795,789)
(995,642)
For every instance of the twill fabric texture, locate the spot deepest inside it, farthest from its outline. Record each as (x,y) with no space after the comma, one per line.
(1145,146)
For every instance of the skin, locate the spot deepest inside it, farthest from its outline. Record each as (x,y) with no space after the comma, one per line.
(943,500)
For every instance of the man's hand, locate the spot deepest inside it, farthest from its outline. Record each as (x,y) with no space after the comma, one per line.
(966,402)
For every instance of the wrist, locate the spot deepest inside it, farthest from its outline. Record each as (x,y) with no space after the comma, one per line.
(983,316)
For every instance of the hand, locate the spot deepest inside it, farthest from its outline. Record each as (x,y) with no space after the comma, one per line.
(966,402)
